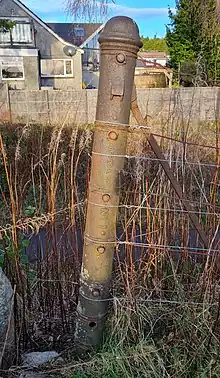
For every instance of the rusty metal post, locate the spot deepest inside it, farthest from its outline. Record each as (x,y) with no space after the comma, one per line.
(119,44)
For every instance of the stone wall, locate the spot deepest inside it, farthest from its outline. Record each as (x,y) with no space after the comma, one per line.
(163,106)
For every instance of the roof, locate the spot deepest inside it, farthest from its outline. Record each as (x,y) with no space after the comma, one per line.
(67,31)
(42,23)
(151,67)
(153,54)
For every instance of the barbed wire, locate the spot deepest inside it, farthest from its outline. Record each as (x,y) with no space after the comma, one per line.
(151,127)
(128,125)
(148,158)
(37,222)
(164,195)
(151,208)
(111,123)
(148,128)
(117,242)
(158,301)
(186,142)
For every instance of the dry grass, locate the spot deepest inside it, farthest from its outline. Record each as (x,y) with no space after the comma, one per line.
(165,310)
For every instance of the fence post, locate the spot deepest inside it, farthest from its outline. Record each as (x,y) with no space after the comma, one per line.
(119,44)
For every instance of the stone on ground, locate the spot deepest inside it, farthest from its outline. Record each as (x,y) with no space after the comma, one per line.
(36,359)
(6,319)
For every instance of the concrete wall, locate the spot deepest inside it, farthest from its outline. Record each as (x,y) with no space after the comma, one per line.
(49,47)
(164,107)
(4,104)
(48,107)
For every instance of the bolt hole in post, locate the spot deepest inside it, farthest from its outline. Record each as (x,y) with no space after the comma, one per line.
(92,324)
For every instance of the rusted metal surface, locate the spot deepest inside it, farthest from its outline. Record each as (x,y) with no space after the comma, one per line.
(119,44)
(159,154)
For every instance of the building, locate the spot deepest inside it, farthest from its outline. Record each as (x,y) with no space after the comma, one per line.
(33,56)
(85,36)
(152,71)
(158,57)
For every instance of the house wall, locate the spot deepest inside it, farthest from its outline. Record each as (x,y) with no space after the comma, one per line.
(31,75)
(68,83)
(49,47)
(31,72)
(31,68)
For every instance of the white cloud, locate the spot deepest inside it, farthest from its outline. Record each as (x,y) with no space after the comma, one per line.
(51,6)
(138,12)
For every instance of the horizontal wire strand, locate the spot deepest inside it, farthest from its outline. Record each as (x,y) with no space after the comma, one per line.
(146,158)
(186,142)
(150,245)
(155,301)
(151,208)
(195,203)
(150,127)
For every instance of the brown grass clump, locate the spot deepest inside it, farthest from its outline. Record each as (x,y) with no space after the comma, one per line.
(165,294)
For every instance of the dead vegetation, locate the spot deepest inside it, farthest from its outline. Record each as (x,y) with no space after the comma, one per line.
(165,294)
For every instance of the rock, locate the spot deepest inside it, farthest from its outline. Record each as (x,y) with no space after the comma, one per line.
(6,320)
(36,359)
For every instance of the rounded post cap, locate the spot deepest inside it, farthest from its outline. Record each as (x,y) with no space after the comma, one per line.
(121,29)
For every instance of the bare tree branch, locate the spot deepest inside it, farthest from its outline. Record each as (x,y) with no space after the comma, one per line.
(88,9)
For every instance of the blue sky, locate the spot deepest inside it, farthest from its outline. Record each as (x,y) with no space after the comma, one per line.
(150,15)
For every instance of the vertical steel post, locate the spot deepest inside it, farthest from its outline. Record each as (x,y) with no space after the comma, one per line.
(119,44)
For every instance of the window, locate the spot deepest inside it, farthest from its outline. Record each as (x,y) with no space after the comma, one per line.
(79,32)
(5,37)
(56,67)
(12,68)
(21,33)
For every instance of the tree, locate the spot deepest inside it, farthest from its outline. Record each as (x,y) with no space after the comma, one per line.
(6,25)
(88,9)
(151,44)
(193,37)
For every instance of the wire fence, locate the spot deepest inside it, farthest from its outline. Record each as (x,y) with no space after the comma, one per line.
(164,203)
(146,207)
(159,259)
